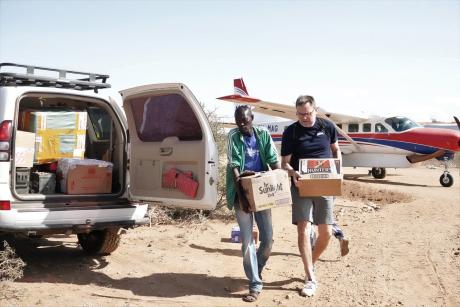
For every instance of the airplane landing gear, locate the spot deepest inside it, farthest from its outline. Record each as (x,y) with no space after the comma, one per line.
(446,179)
(378,172)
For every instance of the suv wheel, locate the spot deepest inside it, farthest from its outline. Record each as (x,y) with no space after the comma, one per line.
(100,242)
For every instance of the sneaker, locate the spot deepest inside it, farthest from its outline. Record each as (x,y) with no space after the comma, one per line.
(344,247)
(309,288)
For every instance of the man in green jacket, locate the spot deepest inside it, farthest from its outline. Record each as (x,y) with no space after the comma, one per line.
(250,149)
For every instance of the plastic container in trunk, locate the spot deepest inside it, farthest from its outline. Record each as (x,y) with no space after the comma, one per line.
(44,183)
(22,180)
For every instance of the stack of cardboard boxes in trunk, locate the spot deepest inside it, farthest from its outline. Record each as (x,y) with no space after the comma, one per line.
(50,147)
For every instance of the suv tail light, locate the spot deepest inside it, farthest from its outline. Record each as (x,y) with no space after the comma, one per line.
(5,205)
(5,140)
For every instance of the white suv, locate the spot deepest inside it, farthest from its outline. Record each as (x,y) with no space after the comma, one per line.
(164,129)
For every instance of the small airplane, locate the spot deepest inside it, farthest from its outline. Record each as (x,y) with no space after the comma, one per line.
(379,143)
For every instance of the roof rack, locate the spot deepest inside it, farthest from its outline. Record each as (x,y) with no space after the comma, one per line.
(89,81)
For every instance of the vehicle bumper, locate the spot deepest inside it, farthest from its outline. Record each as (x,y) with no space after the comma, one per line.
(72,220)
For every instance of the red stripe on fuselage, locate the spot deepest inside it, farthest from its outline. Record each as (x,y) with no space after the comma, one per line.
(438,138)
(433,137)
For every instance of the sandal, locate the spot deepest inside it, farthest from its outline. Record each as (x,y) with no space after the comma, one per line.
(251,297)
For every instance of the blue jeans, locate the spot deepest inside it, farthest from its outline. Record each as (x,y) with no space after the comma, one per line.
(255,260)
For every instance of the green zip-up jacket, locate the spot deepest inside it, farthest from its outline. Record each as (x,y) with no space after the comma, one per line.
(235,155)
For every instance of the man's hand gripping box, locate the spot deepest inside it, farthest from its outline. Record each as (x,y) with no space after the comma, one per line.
(267,190)
(320,177)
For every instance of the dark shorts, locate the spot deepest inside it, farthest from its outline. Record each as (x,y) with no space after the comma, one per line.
(317,210)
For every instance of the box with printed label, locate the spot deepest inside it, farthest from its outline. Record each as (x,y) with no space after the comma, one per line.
(320,177)
(58,134)
(267,190)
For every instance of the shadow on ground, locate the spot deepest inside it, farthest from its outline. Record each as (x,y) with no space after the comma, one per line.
(61,262)
(233,252)
(364,178)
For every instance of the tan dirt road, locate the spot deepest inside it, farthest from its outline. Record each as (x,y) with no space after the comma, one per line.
(400,254)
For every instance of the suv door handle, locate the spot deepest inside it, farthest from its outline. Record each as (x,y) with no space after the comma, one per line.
(166,151)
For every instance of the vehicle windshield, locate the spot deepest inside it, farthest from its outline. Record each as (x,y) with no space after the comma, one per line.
(399,123)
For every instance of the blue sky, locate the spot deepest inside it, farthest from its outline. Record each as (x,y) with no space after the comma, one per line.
(355,57)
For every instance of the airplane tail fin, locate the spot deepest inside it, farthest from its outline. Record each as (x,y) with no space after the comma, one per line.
(240,94)
(239,87)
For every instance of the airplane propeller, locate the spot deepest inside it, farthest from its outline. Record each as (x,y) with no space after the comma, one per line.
(457,121)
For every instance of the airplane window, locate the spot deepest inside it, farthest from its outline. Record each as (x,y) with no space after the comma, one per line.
(400,123)
(367,127)
(380,128)
(159,117)
(353,127)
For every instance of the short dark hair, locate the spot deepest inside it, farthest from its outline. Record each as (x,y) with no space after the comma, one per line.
(241,109)
(304,99)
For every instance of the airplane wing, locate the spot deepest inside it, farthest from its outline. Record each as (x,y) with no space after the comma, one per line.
(342,118)
(287,111)
(241,96)
(264,107)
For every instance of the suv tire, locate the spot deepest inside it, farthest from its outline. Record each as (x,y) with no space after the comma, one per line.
(100,242)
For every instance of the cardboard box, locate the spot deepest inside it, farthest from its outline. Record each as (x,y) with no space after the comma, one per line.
(320,177)
(89,179)
(85,176)
(267,190)
(59,134)
(24,149)
(235,235)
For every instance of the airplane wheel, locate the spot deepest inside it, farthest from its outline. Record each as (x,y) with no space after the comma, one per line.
(446,180)
(378,172)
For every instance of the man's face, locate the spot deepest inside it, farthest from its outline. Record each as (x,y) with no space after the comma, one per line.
(306,114)
(244,122)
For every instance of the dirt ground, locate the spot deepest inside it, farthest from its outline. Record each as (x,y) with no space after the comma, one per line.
(401,253)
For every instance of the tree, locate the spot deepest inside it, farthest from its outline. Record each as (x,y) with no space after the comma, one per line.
(220,137)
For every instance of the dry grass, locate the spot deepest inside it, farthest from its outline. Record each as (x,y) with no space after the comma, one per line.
(11,266)
(359,192)
(171,216)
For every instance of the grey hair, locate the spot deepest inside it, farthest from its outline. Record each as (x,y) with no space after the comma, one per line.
(304,99)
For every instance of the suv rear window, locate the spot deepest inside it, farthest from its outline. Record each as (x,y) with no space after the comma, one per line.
(101,121)
(159,117)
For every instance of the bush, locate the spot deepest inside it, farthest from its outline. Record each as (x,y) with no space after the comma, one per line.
(220,137)
(11,266)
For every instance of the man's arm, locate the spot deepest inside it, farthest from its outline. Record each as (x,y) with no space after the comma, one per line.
(242,199)
(336,153)
(285,164)
(275,165)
